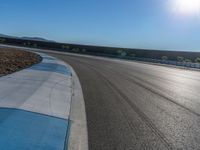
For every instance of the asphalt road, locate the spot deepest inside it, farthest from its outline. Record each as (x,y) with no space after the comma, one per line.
(132,106)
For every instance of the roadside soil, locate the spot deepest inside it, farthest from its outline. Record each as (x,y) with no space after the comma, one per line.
(12,60)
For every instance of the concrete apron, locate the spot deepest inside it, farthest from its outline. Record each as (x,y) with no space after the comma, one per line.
(35,107)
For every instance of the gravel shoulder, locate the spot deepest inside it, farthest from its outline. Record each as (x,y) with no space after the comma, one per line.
(12,60)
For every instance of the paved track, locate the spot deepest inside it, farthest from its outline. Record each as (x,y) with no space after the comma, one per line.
(132,105)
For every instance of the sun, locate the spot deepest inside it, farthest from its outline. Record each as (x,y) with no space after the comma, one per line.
(186,7)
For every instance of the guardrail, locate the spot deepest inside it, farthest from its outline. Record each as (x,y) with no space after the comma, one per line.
(159,61)
(168,62)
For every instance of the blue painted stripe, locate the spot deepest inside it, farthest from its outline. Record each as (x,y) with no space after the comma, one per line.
(23,130)
(51,67)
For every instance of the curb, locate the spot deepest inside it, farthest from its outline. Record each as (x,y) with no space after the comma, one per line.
(78,138)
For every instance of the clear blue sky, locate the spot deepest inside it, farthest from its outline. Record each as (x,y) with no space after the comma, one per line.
(125,23)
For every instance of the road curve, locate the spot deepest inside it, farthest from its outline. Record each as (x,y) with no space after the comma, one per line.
(131,105)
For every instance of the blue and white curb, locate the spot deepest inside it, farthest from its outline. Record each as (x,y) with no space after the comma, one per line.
(35,107)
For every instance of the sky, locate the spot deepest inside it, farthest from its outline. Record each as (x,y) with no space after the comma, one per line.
(152,24)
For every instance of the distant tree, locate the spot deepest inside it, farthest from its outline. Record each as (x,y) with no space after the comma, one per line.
(2,40)
(83,50)
(132,55)
(119,52)
(76,50)
(164,58)
(65,47)
(180,59)
(122,52)
(197,60)
(187,60)
(34,45)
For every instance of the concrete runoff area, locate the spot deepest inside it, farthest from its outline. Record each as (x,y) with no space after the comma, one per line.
(35,107)
(132,105)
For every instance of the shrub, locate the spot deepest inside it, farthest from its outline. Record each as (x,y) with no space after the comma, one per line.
(180,58)
(164,58)
(122,52)
(119,51)
(65,47)
(2,40)
(188,60)
(76,50)
(35,45)
(132,55)
(197,60)
(83,50)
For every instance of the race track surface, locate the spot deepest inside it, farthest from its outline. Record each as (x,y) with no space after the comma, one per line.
(131,105)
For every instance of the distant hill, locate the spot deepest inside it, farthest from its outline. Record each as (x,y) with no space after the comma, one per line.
(27,38)
(35,39)
(7,36)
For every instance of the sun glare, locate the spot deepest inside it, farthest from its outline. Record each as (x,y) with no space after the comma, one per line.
(186,7)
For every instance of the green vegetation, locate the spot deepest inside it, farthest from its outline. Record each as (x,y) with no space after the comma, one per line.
(76,50)
(29,43)
(35,45)
(122,52)
(180,59)
(119,51)
(83,50)
(2,40)
(164,58)
(65,47)
(132,55)
(187,61)
(197,60)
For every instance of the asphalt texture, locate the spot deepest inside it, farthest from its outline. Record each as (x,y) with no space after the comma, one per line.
(133,106)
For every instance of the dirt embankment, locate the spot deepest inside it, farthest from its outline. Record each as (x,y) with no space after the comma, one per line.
(12,60)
